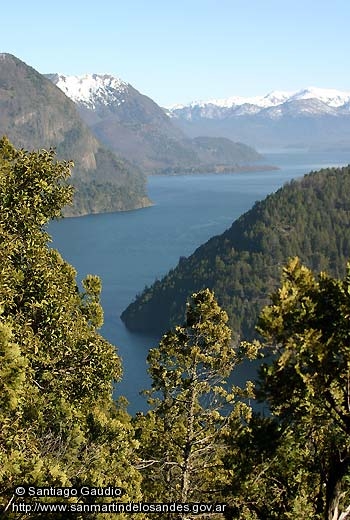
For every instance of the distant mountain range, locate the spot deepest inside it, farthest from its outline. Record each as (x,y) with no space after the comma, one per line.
(133,126)
(35,114)
(329,97)
(309,117)
(115,135)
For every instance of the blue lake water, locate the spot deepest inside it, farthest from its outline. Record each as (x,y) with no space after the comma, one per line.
(130,250)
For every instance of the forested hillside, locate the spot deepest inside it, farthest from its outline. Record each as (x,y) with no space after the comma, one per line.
(309,218)
(67,450)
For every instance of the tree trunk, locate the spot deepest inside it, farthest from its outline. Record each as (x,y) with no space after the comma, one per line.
(338,469)
(186,473)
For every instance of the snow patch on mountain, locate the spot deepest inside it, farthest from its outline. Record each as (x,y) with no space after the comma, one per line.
(272,99)
(92,90)
(275,100)
(97,90)
(331,97)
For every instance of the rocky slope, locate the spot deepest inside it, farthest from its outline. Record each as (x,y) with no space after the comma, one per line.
(134,126)
(34,114)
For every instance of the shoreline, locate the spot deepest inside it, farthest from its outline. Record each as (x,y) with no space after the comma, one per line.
(216,170)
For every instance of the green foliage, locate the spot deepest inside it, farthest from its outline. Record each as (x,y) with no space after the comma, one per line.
(308,218)
(105,197)
(200,441)
(307,464)
(272,472)
(59,424)
(183,437)
(309,322)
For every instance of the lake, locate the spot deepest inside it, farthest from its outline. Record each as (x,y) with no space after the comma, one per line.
(130,250)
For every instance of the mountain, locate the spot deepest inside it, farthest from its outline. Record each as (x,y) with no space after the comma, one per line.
(331,97)
(34,114)
(134,126)
(309,218)
(307,117)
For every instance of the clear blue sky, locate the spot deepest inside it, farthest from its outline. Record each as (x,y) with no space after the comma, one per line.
(176,51)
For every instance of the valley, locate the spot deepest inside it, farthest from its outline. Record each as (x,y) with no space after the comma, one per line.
(134,126)
(182,231)
(188,211)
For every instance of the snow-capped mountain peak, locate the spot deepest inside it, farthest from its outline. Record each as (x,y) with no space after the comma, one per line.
(329,96)
(274,104)
(272,99)
(92,89)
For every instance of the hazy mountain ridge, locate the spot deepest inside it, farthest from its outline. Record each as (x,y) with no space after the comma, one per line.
(308,117)
(331,97)
(35,114)
(134,126)
(309,218)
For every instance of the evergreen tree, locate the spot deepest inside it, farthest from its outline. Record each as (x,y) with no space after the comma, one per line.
(183,436)
(59,424)
(307,466)
(308,384)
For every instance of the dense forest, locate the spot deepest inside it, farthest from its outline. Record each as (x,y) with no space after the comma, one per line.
(308,218)
(200,451)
